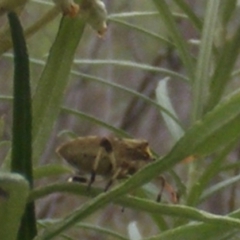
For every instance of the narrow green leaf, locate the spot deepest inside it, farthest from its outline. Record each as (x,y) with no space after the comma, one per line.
(105,231)
(204,61)
(86,226)
(223,70)
(196,231)
(163,99)
(50,170)
(140,204)
(227,9)
(230,167)
(131,64)
(142,30)
(21,146)
(199,231)
(22,121)
(54,81)
(175,35)
(115,86)
(94,120)
(219,186)
(211,221)
(210,171)
(190,13)
(14,191)
(134,14)
(128,90)
(218,128)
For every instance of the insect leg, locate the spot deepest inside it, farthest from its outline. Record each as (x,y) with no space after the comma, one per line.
(115,175)
(163,182)
(95,166)
(106,144)
(168,188)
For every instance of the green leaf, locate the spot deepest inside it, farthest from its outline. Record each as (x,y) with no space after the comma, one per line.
(204,60)
(53,82)
(94,120)
(163,99)
(176,37)
(196,231)
(228,7)
(101,231)
(50,170)
(22,121)
(200,231)
(211,221)
(214,131)
(213,168)
(218,128)
(131,64)
(136,203)
(224,68)
(190,13)
(146,32)
(14,191)
(219,186)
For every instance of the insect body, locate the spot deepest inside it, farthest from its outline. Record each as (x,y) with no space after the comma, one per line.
(112,158)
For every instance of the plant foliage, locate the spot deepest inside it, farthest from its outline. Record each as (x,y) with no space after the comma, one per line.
(201,145)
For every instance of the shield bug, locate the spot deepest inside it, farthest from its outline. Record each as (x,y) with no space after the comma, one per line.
(110,157)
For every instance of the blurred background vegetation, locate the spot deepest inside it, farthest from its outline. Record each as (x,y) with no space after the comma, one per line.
(136,57)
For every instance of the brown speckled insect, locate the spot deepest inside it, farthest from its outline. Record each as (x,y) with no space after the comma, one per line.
(113,158)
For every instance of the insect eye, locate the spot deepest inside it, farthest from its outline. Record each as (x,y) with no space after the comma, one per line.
(146,155)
